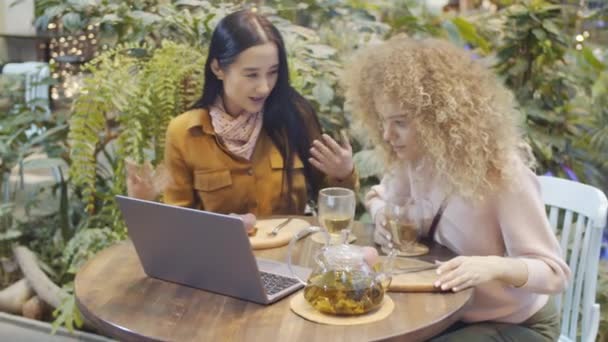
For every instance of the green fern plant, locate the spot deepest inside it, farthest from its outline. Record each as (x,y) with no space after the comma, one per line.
(128,99)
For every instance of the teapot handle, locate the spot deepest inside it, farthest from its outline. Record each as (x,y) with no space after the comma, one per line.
(302,233)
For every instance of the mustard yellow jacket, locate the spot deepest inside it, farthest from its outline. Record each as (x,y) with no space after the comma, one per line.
(206,175)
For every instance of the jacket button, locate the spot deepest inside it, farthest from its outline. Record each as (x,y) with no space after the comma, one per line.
(250,172)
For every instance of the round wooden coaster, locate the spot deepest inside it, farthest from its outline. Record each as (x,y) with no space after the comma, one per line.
(300,307)
(418,250)
(261,240)
(320,238)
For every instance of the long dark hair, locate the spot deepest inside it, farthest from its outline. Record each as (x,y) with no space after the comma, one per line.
(285,110)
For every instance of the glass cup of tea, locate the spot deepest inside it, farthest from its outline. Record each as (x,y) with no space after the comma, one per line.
(407,219)
(336,210)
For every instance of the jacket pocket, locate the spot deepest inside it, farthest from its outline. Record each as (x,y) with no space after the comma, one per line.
(212,180)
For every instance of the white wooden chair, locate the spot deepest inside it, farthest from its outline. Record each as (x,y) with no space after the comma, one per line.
(580,241)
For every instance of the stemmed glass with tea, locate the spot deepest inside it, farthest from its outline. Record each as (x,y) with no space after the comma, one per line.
(407,218)
(336,210)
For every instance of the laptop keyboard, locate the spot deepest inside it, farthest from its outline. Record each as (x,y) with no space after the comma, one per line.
(274,283)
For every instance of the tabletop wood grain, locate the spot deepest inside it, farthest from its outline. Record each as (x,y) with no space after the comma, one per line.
(115,295)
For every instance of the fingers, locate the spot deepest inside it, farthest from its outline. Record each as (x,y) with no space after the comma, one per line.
(332,144)
(457,284)
(346,141)
(137,173)
(370,194)
(460,273)
(451,280)
(465,285)
(450,265)
(133,177)
(320,156)
(380,220)
(331,158)
(381,238)
(330,149)
(249,220)
(322,152)
(381,235)
(321,167)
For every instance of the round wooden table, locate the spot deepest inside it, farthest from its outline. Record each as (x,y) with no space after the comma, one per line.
(115,295)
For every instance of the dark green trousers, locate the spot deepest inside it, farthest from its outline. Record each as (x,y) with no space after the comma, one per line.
(543,326)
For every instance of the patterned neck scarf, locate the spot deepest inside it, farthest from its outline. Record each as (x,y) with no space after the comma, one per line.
(239,134)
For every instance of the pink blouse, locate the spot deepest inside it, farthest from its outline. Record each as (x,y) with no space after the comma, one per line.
(510,223)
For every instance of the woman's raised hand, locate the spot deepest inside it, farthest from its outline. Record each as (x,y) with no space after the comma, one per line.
(331,158)
(140,182)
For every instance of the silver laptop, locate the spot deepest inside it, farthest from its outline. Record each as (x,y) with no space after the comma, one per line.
(204,250)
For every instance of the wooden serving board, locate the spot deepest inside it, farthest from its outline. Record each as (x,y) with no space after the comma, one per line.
(261,240)
(421,281)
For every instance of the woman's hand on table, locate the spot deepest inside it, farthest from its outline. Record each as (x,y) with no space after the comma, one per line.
(249,220)
(331,158)
(463,272)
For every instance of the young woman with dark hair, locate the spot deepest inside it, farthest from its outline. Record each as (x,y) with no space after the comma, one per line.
(251,143)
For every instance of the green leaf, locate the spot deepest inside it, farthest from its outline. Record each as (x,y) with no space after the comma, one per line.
(67,314)
(551,27)
(72,21)
(590,58)
(146,17)
(81,5)
(539,34)
(469,33)
(520,66)
(369,163)
(322,92)
(192,3)
(110,18)
(321,51)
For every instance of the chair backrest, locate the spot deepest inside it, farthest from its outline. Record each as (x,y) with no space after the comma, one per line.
(577,213)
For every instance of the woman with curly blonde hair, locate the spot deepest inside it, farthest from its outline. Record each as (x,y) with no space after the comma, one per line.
(449,132)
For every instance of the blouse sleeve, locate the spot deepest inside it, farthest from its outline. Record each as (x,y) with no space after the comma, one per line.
(528,235)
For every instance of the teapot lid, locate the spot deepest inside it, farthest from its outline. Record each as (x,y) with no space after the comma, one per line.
(344,255)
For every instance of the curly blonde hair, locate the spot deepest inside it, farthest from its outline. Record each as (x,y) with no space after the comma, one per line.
(465,120)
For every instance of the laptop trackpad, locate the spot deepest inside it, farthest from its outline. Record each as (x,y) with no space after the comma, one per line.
(281,268)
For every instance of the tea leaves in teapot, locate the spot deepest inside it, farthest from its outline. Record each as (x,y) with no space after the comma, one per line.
(344,292)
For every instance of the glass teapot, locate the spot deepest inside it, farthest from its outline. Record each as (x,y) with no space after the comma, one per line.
(342,282)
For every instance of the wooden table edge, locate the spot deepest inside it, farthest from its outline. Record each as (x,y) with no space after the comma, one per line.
(122,333)
(100,324)
(440,324)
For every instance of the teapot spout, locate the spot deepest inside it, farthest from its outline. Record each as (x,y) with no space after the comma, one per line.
(385,275)
(389,261)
